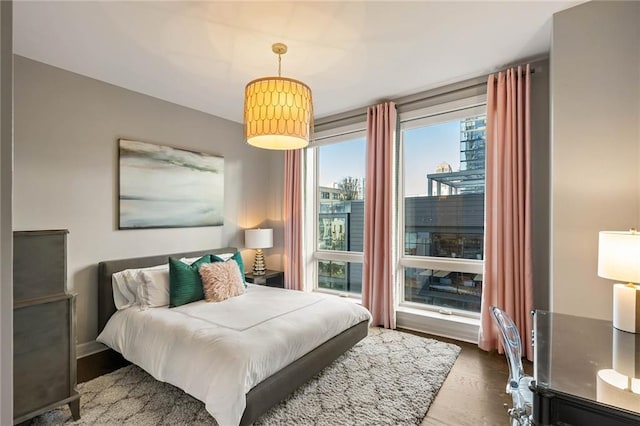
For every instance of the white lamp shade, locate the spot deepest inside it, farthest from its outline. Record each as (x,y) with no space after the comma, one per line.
(258,238)
(619,256)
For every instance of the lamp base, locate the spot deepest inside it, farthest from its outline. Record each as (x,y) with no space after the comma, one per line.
(626,308)
(626,353)
(258,263)
(616,389)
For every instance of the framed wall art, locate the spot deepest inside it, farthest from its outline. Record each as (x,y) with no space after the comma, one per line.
(165,187)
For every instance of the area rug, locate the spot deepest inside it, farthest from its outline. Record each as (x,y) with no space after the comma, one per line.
(389,378)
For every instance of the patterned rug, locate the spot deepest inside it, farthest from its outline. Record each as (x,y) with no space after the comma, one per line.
(389,378)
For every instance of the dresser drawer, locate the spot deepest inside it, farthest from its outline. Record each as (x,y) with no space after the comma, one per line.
(39,264)
(42,352)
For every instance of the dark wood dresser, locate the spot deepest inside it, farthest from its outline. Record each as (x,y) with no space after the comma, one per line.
(44,326)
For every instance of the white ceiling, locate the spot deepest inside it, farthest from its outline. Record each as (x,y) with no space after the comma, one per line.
(351,54)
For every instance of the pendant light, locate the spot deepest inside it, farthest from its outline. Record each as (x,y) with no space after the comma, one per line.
(278,111)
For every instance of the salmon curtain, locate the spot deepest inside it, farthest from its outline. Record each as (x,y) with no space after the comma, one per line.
(508,282)
(292,212)
(377,277)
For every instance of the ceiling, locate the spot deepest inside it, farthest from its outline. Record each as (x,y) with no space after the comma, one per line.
(351,54)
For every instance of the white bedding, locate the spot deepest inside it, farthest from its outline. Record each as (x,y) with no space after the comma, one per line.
(217,352)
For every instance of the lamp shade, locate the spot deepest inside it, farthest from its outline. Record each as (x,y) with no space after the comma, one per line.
(278,113)
(619,256)
(258,238)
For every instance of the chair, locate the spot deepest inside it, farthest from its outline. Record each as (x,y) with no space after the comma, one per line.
(518,384)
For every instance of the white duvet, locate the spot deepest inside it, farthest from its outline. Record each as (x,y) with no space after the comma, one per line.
(217,352)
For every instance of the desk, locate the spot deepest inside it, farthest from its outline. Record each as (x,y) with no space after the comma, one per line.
(574,360)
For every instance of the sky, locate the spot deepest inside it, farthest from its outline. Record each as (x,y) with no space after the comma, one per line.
(424,149)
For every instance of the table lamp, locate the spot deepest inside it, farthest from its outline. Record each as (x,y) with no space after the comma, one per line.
(619,259)
(258,239)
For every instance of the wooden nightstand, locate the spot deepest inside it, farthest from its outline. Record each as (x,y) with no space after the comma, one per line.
(270,278)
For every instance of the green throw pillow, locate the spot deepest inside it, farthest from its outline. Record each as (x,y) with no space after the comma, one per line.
(238,258)
(185,284)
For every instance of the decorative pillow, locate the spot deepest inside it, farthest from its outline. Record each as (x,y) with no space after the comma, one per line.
(185,284)
(125,285)
(237,257)
(154,290)
(221,281)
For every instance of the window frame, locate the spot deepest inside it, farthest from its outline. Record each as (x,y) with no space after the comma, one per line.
(311,208)
(432,115)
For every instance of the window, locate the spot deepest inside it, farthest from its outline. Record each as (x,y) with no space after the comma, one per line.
(340,276)
(440,208)
(442,200)
(338,183)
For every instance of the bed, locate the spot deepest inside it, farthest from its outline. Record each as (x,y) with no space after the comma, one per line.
(265,385)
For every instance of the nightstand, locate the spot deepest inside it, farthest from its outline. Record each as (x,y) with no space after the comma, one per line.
(270,278)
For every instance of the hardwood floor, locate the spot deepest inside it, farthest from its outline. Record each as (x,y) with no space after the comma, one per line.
(474,392)
(472,395)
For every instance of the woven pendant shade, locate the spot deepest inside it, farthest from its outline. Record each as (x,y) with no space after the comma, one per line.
(278,112)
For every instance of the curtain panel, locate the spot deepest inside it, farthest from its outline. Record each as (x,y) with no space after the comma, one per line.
(508,280)
(292,212)
(377,277)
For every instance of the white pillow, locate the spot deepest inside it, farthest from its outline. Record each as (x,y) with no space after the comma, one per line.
(225,256)
(125,285)
(154,290)
(190,260)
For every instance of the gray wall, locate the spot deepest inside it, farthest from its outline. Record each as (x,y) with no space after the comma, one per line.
(66,132)
(595,137)
(275,196)
(6,239)
(540,184)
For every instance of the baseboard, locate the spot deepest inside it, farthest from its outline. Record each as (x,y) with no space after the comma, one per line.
(89,348)
(452,327)
(99,363)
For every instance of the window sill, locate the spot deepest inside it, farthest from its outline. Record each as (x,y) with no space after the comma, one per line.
(451,326)
(455,327)
(355,298)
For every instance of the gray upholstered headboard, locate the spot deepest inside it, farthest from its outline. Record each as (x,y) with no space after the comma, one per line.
(106,305)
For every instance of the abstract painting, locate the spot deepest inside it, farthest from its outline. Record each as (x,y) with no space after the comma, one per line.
(165,187)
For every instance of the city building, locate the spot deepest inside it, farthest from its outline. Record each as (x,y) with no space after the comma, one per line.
(470,177)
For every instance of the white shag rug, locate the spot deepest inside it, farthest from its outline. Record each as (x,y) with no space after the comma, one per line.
(389,378)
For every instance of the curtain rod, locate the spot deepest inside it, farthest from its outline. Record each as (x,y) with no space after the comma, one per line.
(473,83)
(522,74)
(406,102)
